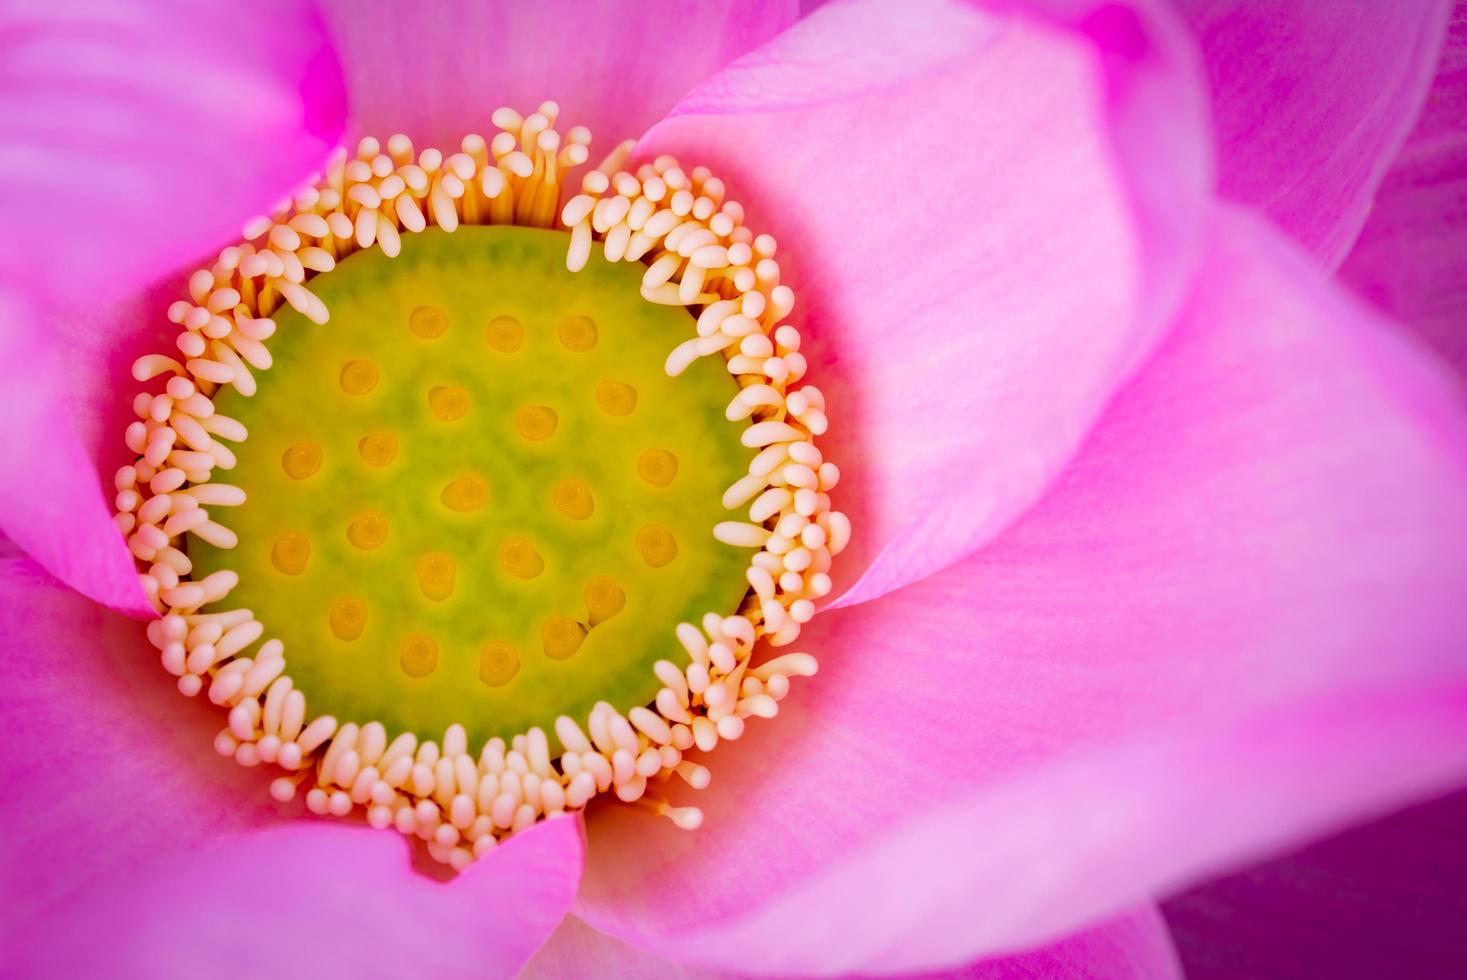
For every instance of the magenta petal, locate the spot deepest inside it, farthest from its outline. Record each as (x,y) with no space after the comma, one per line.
(965,320)
(1312,100)
(1385,899)
(1234,623)
(55,507)
(106,767)
(576,950)
(1134,946)
(136,135)
(1411,259)
(319,900)
(436,71)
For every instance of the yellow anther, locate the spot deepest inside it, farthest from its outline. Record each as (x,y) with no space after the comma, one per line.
(419,656)
(437,574)
(520,558)
(367,530)
(378,449)
(536,422)
(468,492)
(577,333)
(498,663)
(656,545)
(428,322)
(301,460)
(348,617)
(561,636)
(604,599)
(505,334)
(449,402)
(573,499)
(657,466)
(359,377)
(291,552)
(616,397)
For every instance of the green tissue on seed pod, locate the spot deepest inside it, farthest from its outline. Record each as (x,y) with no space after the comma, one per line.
(474,495)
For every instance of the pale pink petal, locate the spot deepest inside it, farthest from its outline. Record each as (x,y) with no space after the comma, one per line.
(137,134)
(1134,946)
(107,768)
(318,900)
(1411,259)
(1311,101)
(1385,899)
(56,507)
(436,71)
(981,236)
(1235,622)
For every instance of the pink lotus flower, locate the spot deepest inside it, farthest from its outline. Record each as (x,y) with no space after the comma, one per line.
(1159,566)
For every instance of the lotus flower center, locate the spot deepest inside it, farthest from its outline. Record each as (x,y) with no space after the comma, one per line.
(450,465)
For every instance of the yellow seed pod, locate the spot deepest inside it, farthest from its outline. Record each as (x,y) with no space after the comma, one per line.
(367,530)
(359,377)
(657,466)
(519,557)
(448,402)
(577,333)
(419,656)
(616,397)
(536,422)
(428,322)
(378,448)
(437,575)
(498,663)
(604,599)
(347,618)
(291,552)
(467,493)
(561,637)
(573,499)
(505,334)
(656,545)
(301,460)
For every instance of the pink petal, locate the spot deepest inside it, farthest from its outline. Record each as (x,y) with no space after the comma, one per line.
(124,827)
(1132,946)
(1312,101)
(576,950)
(1382,900)
(1411,259)
(966,323)
(1155,813)
(333,901)
(1234,623)
(55,505)
(1136,945)
(107,767)
(136,135)
(436,71)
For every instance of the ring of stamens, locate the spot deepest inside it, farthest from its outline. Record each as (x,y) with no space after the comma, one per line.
(699,255)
